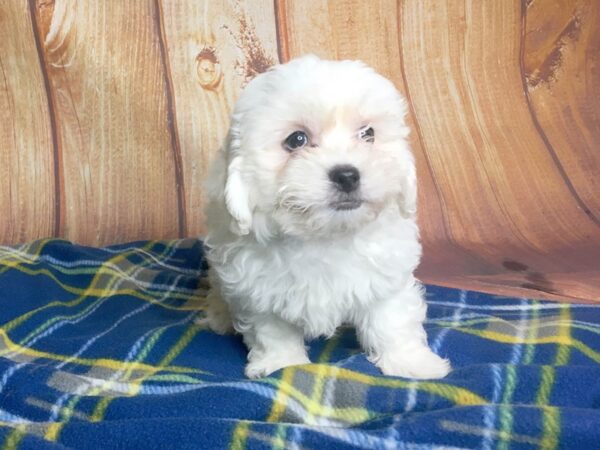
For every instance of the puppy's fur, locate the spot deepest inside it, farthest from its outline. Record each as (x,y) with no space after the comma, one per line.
(294,255)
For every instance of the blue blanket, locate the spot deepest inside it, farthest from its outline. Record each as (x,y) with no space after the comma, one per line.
(99,349)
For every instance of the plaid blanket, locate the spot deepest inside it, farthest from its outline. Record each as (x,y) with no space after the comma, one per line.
(99,349)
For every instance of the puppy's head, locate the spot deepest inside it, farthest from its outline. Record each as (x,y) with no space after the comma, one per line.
(316,148)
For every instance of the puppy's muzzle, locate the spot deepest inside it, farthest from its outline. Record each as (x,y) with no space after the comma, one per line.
(346,179)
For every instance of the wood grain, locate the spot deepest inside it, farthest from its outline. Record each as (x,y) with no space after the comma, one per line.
(510,202)
(104,64)
(108,128)
(213,49)
(27,193)
(561,58)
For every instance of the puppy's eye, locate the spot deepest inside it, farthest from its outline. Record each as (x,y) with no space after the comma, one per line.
(296,140)
(367,134)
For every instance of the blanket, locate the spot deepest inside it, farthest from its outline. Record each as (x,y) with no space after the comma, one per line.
(100,349)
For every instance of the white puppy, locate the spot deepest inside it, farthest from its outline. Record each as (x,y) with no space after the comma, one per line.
(311,220)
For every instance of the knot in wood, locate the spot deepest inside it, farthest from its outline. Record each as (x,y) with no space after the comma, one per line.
(208,68)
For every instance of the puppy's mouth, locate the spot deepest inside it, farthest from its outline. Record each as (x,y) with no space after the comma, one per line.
(346,205)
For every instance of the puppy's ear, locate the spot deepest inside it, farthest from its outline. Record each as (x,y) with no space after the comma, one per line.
(237,194)
(407,200)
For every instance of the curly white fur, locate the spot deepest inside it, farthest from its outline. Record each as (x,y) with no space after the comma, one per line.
(285,262)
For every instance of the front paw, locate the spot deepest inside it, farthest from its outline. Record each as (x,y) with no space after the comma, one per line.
(421,364)
(264,365)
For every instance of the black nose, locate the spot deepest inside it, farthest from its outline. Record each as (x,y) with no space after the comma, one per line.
(346,177)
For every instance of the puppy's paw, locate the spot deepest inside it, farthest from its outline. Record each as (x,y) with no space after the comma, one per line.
(217,318)
(259,367)
(421,364)
(217,322)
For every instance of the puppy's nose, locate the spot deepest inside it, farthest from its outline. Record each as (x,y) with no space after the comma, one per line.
(345,177)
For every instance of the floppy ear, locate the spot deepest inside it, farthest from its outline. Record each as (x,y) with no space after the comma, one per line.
(237,195)
(407,200)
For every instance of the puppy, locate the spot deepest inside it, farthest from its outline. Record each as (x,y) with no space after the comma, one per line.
(311,218)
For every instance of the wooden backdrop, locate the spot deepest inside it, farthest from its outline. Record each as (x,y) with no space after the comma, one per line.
(110,111)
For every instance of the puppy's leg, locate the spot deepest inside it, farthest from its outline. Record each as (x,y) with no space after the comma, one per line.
(392,333)
(218,317)
(273,344)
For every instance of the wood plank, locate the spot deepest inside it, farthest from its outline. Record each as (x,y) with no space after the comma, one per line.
(213,49)
(27,191)
(506,197)
(104,64)
(560,61)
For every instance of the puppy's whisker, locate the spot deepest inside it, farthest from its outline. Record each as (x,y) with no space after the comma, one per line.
(294,206)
